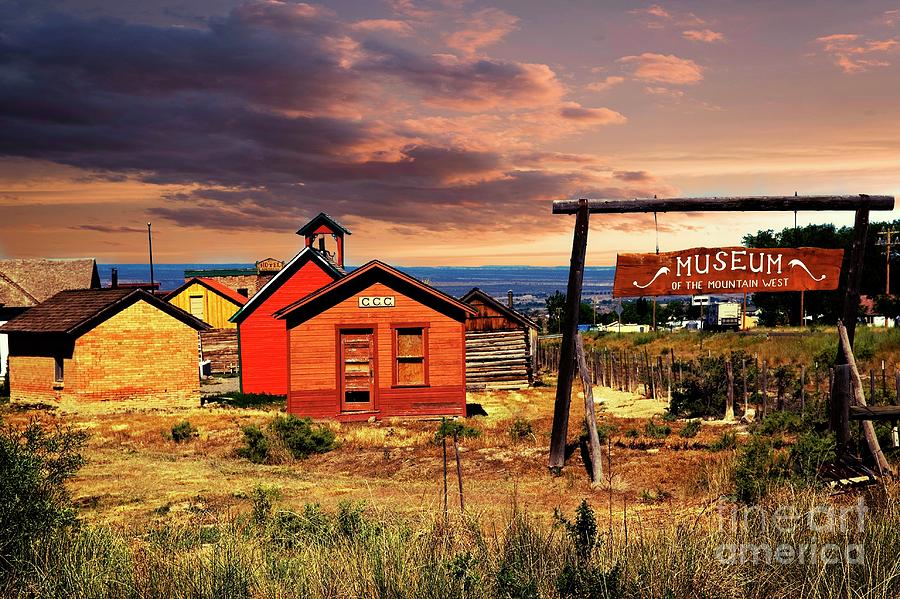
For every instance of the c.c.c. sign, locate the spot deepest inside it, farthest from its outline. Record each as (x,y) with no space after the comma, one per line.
(376,301)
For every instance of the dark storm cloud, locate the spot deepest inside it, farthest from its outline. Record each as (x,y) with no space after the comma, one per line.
(269,110)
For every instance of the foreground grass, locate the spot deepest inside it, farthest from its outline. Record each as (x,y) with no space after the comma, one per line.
(358,552)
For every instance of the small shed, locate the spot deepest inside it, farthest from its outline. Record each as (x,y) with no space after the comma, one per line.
(501,344)
(26,282)
(104,344)
(376,343)
(262,338)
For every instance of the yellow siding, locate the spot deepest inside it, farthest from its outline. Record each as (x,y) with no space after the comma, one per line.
(216,309)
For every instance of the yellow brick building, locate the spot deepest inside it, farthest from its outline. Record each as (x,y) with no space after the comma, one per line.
(104,344)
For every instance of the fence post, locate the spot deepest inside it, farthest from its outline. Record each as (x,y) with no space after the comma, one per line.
(802,388)
(840,407)
(729,401)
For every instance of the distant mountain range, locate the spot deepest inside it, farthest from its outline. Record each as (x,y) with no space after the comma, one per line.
(539,281)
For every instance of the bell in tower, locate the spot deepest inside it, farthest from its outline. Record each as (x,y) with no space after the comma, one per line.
(326,236)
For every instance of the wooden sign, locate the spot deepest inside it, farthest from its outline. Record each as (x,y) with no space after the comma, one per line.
(727,270)
(384,301)
(269,265)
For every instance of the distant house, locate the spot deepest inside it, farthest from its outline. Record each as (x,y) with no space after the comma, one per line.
(103,344)
(244,281)
(208,300)
(214,303)
(262,337)
(870,315)
(501,343)
(27,282)
(376,343)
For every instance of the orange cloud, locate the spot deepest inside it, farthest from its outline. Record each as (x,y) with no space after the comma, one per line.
(663,91)
(605,84)
(703,35)
(852,54)
(664,68)
(485,28)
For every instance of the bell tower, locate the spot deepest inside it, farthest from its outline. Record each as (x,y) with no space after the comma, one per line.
(322,233)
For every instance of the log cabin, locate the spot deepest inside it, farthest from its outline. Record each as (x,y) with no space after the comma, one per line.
(376,343)
(262,338)
(501,344)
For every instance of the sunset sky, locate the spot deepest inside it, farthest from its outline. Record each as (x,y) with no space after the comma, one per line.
(439,132)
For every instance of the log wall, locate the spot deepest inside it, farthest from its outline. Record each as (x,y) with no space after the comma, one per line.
(498,360)
(220,346)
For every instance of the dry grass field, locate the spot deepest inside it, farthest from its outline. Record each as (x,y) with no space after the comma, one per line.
(135,473)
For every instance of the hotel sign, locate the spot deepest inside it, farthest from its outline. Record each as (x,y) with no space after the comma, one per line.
(269,265)
(727,270)
(383,301)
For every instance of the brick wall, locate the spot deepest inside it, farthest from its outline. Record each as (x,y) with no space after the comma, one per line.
(140,353)
(31,378)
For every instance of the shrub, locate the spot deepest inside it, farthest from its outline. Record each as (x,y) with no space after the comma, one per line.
(521,429)
(35,463)
(728,440)
(810,452)
(184,431)
(263,499)
(632,433)
(657,431)
(758,465)
(780,422)
(449,428)
(256,445)
(580,577)
(301,437)
(690,429)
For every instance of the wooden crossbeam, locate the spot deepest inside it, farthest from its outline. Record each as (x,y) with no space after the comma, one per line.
(874,412)
(725,204)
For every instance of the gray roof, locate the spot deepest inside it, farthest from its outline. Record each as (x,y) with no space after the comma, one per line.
(28,282)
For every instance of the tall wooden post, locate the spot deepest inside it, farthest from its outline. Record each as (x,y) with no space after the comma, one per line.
(567,349)
(840,394)
(840,407)
(854,278)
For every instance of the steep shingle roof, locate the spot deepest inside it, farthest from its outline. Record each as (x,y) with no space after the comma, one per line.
(28,282)
(76,312)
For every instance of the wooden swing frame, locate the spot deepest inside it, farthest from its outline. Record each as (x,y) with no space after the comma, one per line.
(582,209)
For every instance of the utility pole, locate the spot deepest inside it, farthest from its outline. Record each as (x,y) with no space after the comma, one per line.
(150,243)
(887,262)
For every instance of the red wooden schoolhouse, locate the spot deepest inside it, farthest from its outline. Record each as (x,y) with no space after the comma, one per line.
(262,338)
(376,342)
